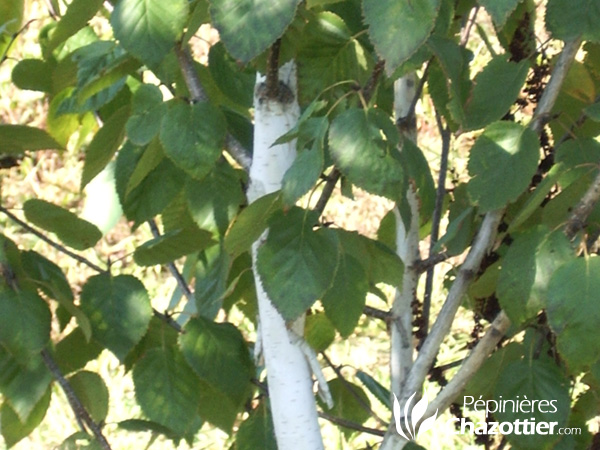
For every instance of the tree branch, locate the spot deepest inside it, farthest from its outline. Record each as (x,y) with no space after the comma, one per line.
(272,76)
(436,219)
(76,257)
(583,209)
(559,73)
(189,295)
(471,365)
(50,242)
(482,244)
(350,424)
(332,180)
(81,414)
(186,64)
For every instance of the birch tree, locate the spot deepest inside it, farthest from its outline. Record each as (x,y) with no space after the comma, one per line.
(232,159)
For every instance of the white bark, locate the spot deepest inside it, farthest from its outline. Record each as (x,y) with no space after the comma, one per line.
(288,373)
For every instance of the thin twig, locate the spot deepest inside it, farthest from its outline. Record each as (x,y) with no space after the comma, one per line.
(352,425)
(332,179)
(425,264)
(369,87)
(464,38)
(189,295)
(352,390)
(377,313)
(81,414)
(13,38)
(232,145)
(436,219)
(50,242)
(76,257)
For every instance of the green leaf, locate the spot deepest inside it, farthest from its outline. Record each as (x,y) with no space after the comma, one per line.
(24,322)
(236,84)
(143,426)
(381,264)
(92,392)
(220,357)
(147,111)
(380,392)
(345,300)
(592,111)
(502,162)
(11,16)
(23,385)
(33,74)
(573,311)
(302,175)
(363,155)
(167,389)
(319,331)
(80,440)
(257,431)
(329,54)
(75,350)
(119,310)
(495,89)
(18,138)
(567,19)
(500,10)
(69,228)
(150,159)
(537,197)
(527,267)
(349,402)
(104,145)
(214,200)
(53,283)
(537,379)
(294,258)
(172,245)
(154,192)
(212,271)
(148,29)
(250,223)
(13,428)
(249,27)
(398,28)
(77,16)
(193,136)
(453,70)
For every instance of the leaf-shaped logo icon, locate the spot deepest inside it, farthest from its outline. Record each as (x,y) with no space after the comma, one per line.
(417,413)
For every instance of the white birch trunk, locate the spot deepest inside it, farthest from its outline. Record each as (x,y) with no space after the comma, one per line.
(288,374)
(407,248)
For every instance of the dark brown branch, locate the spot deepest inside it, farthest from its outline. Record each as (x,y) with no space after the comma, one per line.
(377,313)
(351,425)
(369,86)
(186,63)
(52,243)
(272,78)
(232,145)
(466,32)
(425,264)
(436,219)
(332,179)
(189,295)
(81,414)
